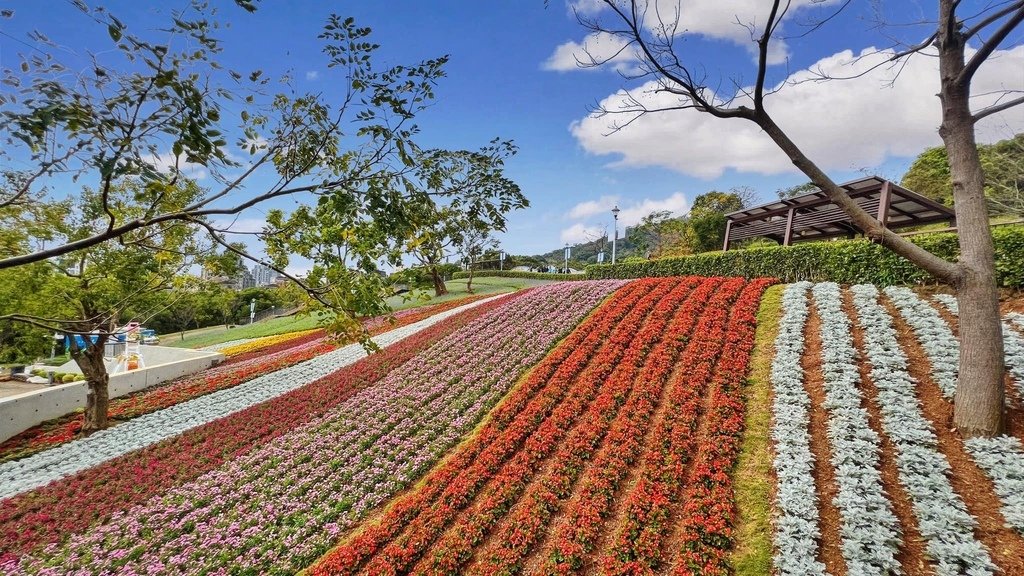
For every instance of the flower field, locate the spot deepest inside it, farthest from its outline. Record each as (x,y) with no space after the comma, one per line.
(246,361)
(284,493)
(612,457)
(574,428)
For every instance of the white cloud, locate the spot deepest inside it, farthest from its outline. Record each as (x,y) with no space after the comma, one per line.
(168,163)
(840,124)
(579,233)
(727,20)
(312,75)
(631,212)
(592,207)
(597,47)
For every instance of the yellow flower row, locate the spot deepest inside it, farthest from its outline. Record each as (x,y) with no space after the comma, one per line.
(264,342)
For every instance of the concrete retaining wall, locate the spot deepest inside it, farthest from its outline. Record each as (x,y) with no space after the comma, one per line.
(21,412)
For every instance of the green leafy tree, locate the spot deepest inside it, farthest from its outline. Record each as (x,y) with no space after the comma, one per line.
(706,220)
(90,292)
(1002,164)
(156,105)
(455,191)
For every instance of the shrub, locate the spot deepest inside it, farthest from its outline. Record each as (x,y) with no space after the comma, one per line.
(519,274)
(68,378)
(842,261)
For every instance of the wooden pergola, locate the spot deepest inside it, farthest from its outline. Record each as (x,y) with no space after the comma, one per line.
(813,216)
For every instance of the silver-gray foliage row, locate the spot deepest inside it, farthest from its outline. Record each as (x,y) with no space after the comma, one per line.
(796,525)
(1002,459)
(941,514)
(934,335)
(1013,343)
(66,459)
(869,529)
(1017,319)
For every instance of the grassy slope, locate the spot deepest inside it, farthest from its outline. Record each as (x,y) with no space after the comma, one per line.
(753,553)
(456,289)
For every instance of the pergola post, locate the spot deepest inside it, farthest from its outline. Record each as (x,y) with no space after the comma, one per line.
(728,229)
(787,238)
(884,200)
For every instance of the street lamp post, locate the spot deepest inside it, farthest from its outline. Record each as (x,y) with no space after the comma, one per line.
(566,257)
(615,238)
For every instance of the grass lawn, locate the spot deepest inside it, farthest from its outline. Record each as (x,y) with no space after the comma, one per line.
(753,553)
(456,289)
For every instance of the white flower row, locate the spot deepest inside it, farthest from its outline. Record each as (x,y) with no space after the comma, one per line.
(1002,459)
(934,335)
(941,514)
(1013,343)
(40,469)
(869,530)
(796,526)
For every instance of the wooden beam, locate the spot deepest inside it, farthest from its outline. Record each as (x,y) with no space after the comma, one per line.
(884,200)
(728,230)
(787,238)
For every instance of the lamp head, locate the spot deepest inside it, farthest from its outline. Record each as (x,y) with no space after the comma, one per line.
(615,212)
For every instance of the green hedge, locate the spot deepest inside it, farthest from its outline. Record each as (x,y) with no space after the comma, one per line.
(844,261)
(519,274)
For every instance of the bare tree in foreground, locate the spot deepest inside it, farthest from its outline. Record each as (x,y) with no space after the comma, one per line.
(653,31)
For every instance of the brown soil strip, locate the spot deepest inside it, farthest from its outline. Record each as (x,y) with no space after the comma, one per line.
(913,552)
(968,480)
(604,542)
(829,520)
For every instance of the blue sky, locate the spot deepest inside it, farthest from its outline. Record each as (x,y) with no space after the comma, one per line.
(509,76)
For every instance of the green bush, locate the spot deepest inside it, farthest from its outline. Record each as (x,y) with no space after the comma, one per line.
(843,261)
(68,378)
(519,274)
(58,376)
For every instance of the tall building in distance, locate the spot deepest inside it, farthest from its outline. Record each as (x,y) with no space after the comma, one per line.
(263,275)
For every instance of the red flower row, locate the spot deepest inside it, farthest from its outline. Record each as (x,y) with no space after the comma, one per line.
(709,499)
(70,505)
(448,487)
(620,360)
(635,385)
(585,518)
(647,506)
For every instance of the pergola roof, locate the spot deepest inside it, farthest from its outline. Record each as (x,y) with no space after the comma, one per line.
(813,216)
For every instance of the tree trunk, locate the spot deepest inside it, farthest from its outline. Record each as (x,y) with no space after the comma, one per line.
(439,288)
(979,403)
(97,400)
(469,283)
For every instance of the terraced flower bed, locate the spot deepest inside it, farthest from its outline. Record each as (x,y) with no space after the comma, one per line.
(576,428)
(273,507)
(618,464)
(249,360)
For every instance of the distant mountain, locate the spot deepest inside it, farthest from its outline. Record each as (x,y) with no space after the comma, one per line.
(586,253)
